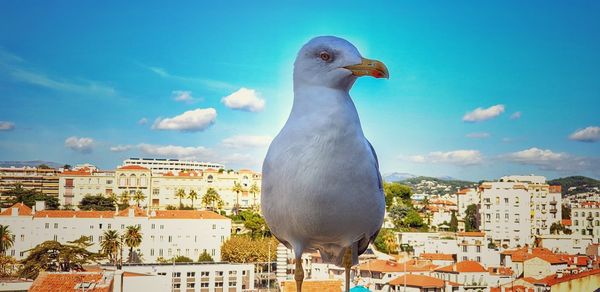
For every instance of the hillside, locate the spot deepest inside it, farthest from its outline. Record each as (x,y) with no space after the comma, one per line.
(436,186)
(576,184)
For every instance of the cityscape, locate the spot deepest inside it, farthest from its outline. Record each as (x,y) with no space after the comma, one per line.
(179,225)
(307,146)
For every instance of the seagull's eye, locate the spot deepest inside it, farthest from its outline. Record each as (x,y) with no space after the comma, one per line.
(325,56)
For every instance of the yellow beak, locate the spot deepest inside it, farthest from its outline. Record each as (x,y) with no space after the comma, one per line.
(369,67)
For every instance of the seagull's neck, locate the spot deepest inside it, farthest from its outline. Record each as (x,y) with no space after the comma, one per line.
(324,105)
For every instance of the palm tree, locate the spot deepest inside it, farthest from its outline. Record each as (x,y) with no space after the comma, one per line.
(133,238)
(6,239)
(193,196)
(254,189)
(390,242)
(138,196)
(211,198)
(113,197)
(181,195)
(237,188)
(125,197)
(110,245)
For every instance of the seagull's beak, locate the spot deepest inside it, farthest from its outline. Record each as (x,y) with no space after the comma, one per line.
(369,67)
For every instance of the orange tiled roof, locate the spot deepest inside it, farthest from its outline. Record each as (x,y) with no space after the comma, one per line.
(137,212)
(437,256)
(553,279)
(472,234)
(503,271)
(73,214)
(421,281)
(515,288)
(463,267)
(132,167)
(67,282)
(23,209)
(313,286)
(391,266)
(554,189)
(462,192)
(186,214)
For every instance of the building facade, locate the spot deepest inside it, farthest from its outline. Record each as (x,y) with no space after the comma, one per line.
(165,233)
(159,165)
(585,219)
(44,180)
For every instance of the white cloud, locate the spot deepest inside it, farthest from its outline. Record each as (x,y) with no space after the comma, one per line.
(546,159)
(589,134)
(143,121)
(457,157)
(209,83)
(121,148)
(480,135)
(183,96)
(244,99)
(82,87)
(80,144)
(190,121)
(247,141)
(481,114)
(173,151)
(515,116)
(7,126)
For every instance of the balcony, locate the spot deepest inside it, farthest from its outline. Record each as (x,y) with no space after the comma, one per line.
(553,202)
(590,218)
(553,210)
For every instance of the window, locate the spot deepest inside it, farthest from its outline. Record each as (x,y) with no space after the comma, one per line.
(204,274)
(478,248)
(209,178)
(497,200)
(122,226)
(219,284)
(232,273)
(576,214)
(506,216)
(155,191)
(176,274)
(464,258)
(478,258)
(55,237)
(231,283)
(214,226)
(108,226)
(162,227)
(55,225)
(176,285)
(219,273)
(91,226)
(191,274)
(191,285)
(506,201)
(153,226)
(204,285)
(160,252)
(23,235)
(213,252)
(170,238)
(497,215)
(151,252)
(465,248)
(47,225)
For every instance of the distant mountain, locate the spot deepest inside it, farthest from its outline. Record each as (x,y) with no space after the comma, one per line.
(397,176)
(436,186)
(18,163)
(572,185)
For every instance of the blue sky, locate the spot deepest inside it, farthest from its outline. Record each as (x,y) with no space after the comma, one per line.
(97,81)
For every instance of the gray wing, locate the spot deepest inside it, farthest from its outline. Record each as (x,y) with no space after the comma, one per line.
(363,244)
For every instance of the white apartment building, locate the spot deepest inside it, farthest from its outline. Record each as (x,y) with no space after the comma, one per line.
(159,165)
(160,190)
(466,197)
(585,219)
(516,208)
(73,185)
(166,233)
(473,246)
(200,277)
(505,213)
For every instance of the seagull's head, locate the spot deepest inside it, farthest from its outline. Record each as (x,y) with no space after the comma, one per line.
(333,62)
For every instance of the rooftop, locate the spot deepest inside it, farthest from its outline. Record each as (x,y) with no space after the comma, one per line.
(22,210)
(73,282)
(421,281)
(392,266)
(463,267)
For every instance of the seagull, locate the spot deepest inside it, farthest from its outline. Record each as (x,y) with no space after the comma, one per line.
(321,187)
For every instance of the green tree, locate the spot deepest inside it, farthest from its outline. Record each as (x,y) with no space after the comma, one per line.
(471,222)
(97,203)
(44,166)
(413,219)
(193,196)
(386,241)
(8,266)
(6,239)
(67,167)
(110,245)
(205,257)
(29,197)
(180,193)
(52,256)
(133,239)
(124,198)
(254,222)
(396,191)
(181,259)
(254,189)
(397,213)
(138,197)
(244,249)
(453,222)
(237,188)
(211,199)
(82,242)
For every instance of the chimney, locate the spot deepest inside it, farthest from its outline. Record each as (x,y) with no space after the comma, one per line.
(40,206)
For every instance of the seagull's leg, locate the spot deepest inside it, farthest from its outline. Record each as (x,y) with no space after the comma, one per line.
(347,265)
(299,274)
